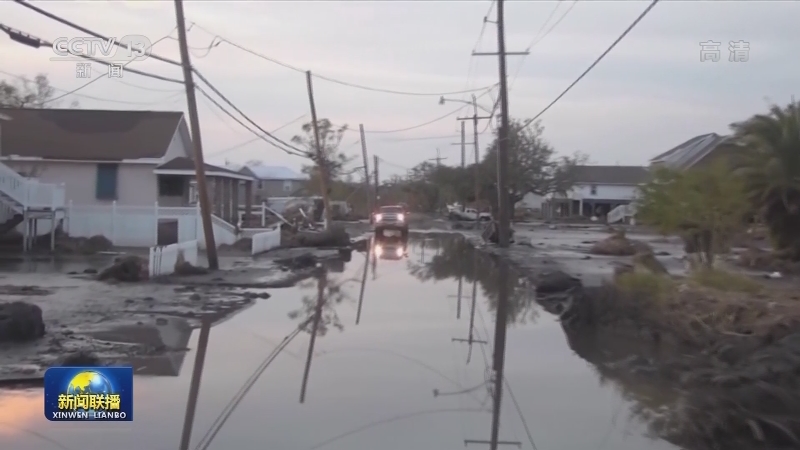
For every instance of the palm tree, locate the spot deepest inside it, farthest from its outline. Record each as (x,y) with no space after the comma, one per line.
(771,170)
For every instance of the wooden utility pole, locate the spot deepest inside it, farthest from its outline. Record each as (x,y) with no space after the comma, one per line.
(366,169)
(504,212)
(377,182)
(322,162)
(475,118)
(194,122)
(463,146)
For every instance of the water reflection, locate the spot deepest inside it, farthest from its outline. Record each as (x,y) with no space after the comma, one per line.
(450,261)
(404,375)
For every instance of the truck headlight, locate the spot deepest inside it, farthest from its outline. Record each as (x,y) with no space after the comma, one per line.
(378,217)
(401,217)
(399,252)
(378,250)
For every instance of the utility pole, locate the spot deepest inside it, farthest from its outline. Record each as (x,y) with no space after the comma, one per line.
(377,182)
(475,118)
(463,146)
(366,168)
(194,122)
(322,162)
(504,212)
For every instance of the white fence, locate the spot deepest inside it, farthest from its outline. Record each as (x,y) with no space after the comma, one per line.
(138,226)
(262,242)
(164,258)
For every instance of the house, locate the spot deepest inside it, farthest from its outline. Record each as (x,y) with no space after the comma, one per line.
(597,190)
(273,181)
(113,164)
(697,151)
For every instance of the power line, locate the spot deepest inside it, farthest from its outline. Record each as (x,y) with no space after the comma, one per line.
(86,30)
(235,108)
(257,138)
(597,61)
(35,42)
(100,76)
(539,36)
(216,103)
(174,95)
(451,113)
(334,80)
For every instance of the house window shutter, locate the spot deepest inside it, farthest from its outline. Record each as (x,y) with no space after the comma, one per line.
(106,186)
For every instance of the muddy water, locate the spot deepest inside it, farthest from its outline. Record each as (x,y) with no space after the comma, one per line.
(373,373)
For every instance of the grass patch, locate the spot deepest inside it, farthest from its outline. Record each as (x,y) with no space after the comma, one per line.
(645,285)
(725,281)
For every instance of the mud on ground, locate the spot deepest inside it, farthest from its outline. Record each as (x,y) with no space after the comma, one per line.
(131,322)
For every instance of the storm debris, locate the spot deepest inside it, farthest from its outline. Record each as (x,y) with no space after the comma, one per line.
(129,268)
(20,322)
(619,245)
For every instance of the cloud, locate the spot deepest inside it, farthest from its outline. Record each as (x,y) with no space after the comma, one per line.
(650,93)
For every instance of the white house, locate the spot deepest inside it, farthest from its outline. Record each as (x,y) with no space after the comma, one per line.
(113,166)
(597,190)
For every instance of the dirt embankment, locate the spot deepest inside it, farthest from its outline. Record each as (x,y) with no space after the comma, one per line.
(727,346)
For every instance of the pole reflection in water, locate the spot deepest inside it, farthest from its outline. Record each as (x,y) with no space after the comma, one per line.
(322,282)
(499,348)
(363,280)
(194,387)
(472,308)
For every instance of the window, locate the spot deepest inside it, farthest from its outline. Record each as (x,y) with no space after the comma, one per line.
(261,185)
(193,192)
(170,185)
(287,186)
(106,186)
(593,189)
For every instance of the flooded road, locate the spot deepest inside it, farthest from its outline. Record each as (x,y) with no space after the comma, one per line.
(394,371)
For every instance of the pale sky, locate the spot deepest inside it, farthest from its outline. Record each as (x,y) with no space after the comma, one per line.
(650,93)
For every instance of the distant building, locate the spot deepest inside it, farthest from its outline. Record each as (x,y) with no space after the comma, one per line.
(697,151)
(273,181)
(597,190)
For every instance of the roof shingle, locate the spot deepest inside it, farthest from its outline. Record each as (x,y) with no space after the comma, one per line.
(631,175)
(83,134)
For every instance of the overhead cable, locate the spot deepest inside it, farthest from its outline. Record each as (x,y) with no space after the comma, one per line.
(257,138)
(597,61)
(225,99)
(36,42)
(100,99)
(290,151)
(334,80)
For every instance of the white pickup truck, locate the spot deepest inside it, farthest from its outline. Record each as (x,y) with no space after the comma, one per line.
(470,214)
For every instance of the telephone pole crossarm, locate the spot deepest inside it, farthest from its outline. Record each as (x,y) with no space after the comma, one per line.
(498,54)
(473,118)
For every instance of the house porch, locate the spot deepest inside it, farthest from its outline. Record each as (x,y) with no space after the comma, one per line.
(177,187)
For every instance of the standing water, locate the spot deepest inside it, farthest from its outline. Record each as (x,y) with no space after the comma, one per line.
(400,369)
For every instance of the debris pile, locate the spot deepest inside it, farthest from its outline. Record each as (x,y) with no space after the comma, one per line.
(619,245)
(129,268)
(20,322)
(183,267)
(334,236)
